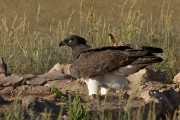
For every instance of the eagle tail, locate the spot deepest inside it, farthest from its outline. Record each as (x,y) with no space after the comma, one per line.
(148,60)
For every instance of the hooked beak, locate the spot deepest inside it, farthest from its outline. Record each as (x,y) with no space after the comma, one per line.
(64,42)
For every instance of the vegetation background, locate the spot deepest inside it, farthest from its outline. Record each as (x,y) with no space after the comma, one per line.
(30,30)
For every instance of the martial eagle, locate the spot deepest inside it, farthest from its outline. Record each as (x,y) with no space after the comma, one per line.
(103,67)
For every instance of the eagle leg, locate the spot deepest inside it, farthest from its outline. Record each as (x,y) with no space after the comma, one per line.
(104,91)
(93,85)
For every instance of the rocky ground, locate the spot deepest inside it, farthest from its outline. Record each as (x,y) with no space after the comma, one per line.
(147,87)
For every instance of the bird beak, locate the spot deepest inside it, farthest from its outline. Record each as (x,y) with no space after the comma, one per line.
(64,42)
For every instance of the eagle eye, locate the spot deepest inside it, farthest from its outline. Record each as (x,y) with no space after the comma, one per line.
(70,40)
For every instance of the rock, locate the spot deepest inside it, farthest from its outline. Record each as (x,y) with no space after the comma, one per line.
(56,75)
(39,80)
(67,70)
(177,78)
(159,98)
(6,90)
(137,78)
(50,76)
(28,77)
(163,95)
(57,83)
(64,68)
(145,75)
(13,80)
(57,67)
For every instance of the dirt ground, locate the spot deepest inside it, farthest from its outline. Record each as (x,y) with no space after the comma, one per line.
(38,89)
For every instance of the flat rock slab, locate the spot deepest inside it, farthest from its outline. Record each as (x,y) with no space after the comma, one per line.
(43,79)
(6,90)
(13,80)
(57,83)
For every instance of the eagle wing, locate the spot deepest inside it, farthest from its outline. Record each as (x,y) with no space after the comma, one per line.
(98,61)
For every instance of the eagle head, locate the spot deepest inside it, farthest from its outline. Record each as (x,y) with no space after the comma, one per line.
(72,41)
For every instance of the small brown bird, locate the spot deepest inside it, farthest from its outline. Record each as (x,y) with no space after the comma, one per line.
(3,67)
(113,41)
